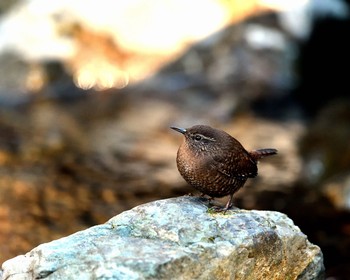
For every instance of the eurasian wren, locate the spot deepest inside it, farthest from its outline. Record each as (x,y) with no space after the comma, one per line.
(215,163)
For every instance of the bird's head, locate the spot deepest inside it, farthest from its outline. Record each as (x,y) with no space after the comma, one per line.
(200,138)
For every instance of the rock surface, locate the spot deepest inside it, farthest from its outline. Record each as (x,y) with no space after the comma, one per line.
(177,238)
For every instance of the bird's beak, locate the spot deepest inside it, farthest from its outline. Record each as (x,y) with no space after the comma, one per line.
(179,129)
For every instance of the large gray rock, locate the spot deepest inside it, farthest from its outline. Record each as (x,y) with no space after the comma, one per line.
(177,238)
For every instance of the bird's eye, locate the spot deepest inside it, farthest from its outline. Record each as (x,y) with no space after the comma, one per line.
(197,137)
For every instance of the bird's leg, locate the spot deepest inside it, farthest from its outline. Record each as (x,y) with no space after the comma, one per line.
(239,184)
(224,209)
(229,203)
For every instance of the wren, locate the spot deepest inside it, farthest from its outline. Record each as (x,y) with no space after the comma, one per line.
(215,163)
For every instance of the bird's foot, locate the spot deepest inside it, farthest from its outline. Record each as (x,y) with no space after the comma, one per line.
(218,209)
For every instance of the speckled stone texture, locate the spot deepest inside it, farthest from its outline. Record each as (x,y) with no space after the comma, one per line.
(177,238)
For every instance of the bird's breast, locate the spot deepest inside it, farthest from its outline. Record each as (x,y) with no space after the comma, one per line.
(196,168)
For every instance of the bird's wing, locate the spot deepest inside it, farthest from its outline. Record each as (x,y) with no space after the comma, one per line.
(235,164)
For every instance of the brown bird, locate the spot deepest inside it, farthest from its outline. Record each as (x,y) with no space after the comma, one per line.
(215,163)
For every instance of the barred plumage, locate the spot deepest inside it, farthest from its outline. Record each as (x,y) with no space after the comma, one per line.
(215,163)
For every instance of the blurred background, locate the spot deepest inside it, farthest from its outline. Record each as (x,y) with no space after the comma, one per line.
(88,90)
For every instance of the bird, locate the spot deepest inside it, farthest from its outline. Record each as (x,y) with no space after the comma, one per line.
(215,163)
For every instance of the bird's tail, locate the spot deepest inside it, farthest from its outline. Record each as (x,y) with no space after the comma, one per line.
(261,153)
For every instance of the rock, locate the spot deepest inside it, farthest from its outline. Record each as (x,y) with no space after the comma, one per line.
(177,238)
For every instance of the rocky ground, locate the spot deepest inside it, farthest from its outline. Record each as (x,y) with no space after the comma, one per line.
(177,238)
